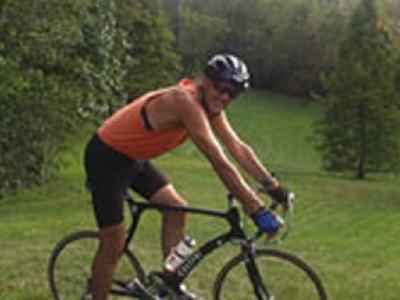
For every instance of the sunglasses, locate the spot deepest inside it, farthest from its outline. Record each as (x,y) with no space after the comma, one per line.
(227,88)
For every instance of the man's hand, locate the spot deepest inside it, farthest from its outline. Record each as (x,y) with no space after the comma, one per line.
(282,195)
(267,221)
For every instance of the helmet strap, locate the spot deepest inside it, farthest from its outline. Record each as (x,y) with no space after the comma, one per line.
(203,100)
(204,105)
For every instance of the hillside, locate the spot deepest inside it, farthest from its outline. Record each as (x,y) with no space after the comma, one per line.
(346,229)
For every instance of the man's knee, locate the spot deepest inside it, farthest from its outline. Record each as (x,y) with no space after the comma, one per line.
(179,202)
(168,195)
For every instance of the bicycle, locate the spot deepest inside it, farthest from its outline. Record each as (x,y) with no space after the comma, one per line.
(258,273)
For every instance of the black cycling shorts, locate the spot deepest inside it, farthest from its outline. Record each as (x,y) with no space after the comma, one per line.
(108,176)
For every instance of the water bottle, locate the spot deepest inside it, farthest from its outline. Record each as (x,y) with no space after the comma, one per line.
(179,253)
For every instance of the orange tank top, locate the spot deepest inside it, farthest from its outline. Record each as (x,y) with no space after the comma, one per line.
(125,131)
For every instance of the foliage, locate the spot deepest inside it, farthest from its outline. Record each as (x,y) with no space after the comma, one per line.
(155,63)
(296,38)
(360,130)
(196,50)
(39,87)
(103,50)
(286,43)
(64,62)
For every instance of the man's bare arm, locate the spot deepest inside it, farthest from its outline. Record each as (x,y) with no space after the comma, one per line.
(199,130)
(242,152)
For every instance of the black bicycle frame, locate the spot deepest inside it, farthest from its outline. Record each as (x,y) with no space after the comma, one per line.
(259,287)
(232,216)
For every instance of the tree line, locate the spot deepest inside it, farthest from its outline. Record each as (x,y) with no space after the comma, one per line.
(287,43)
(64,63)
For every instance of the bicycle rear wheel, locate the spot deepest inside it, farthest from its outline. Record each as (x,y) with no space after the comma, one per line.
(285,276)
(69,268)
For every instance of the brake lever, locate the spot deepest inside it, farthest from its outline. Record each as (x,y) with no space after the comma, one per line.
(274,203)
(289,206)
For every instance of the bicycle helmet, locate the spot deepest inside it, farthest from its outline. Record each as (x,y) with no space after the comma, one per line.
(227,67)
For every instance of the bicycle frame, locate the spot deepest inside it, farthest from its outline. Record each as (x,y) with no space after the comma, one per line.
(235,232)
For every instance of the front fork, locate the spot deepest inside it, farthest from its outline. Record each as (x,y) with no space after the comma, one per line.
(256,279)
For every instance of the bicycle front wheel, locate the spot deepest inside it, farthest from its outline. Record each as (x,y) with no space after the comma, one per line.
(284,276)
(69,269)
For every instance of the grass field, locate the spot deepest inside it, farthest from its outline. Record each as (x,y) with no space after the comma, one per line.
(346,229)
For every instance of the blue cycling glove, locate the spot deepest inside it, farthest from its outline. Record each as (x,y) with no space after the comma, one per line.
(266,221)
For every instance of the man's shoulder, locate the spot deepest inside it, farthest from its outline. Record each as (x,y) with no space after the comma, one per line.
(181,98)
(180,93)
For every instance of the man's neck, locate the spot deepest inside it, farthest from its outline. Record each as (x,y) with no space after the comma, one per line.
(202,96)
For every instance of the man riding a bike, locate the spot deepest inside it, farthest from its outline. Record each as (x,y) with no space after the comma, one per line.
(119,156)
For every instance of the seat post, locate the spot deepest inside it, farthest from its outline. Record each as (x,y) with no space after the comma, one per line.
(136,211)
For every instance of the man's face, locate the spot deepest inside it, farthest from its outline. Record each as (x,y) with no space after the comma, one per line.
(219,95)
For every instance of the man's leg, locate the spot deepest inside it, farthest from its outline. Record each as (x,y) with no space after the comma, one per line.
(109,174)
(173,227)
(173,223)
(112,241)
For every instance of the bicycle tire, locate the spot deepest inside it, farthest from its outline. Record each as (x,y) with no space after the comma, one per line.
(73,255)
(279,279)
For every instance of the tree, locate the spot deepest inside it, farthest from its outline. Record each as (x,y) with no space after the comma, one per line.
(40,89)
(104,51)
(199,26)
(360,130)
(153,62)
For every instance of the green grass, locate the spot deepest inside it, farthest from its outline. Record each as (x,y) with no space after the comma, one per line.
(346,229)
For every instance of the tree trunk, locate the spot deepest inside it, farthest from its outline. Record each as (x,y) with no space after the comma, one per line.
(362,139)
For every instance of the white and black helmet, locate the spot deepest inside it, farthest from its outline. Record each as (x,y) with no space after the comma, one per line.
(227,67)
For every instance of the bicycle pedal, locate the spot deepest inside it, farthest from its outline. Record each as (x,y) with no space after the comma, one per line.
(142,292)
